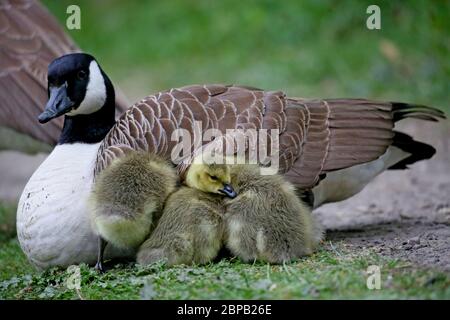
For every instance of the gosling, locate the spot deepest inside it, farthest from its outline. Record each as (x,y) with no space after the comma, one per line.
(190,230)
(263,220)
(127,200)
(267,221)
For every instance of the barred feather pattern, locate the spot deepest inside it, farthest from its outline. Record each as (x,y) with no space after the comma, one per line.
(315,135)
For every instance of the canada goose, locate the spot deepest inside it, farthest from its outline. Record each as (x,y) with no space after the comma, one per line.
(318,138)
(128,198)
(190,230)
(30,38)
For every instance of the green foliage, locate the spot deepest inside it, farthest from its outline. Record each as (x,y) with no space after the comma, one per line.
(13,262)
(328,274)
(11,139)
(307,48)
(332,273)
(7,221)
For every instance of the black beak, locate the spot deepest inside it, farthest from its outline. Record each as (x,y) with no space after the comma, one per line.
(228,191)
(58,104)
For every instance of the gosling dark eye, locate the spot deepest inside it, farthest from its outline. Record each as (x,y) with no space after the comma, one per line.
(81,75)
(214,178)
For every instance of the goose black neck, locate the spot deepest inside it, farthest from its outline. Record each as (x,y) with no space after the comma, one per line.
(91,128)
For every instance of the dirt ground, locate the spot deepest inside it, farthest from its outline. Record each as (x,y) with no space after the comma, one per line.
(404,213)
(401,214)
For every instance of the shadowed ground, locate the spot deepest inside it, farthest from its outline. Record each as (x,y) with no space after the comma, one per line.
(402,214)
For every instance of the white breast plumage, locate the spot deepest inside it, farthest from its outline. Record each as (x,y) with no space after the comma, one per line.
(52,219)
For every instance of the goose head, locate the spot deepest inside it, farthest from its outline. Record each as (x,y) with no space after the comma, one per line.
(80,90)
(210,178)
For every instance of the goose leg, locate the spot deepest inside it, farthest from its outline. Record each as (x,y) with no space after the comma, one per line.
(101,249)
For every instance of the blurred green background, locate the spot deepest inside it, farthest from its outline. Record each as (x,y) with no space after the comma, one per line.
(318,48)
(307,48)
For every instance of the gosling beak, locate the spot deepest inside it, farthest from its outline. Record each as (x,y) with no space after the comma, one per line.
(58,104)
(228,191)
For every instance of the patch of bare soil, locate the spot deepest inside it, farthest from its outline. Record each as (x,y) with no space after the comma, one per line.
(401,214)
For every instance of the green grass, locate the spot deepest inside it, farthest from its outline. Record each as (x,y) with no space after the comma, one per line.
(7,221)
(307,48)
(13,140)
(333,272)
(325,275)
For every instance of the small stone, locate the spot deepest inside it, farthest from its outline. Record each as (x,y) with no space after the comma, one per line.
(431,236)
(443,209)
(414,240)
(362,208)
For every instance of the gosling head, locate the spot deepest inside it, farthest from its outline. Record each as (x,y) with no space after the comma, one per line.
(211,178)
(77,86)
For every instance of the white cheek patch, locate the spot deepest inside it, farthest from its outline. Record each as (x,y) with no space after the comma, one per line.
(95,96)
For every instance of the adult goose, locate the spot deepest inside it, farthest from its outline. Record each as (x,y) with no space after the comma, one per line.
(30,38)
(319,140)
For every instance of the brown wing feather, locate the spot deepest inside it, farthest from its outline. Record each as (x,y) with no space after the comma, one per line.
(316,136)
(193,108)
(30,38)
(337,134)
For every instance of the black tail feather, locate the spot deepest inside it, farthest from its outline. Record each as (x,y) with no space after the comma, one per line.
(419,150)
(402,110)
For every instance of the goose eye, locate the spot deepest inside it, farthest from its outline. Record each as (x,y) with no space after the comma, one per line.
(214,178)
(81,75)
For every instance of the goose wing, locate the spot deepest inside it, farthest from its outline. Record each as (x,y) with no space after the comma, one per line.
(341,133)
(315,136)
(30,38)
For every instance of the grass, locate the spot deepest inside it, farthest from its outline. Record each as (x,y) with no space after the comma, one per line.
(331,273)
(325,275)
(13,140)
(7,221)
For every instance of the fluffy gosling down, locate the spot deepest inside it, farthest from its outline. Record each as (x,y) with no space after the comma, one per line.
(261,218)
(191,227)
(128,198)
(190,230)
(267,221)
